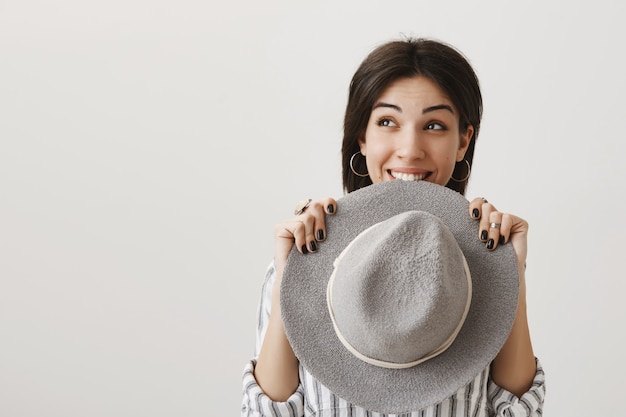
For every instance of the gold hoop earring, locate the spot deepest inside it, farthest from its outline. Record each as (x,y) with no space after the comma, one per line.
(469,171)
(352,166)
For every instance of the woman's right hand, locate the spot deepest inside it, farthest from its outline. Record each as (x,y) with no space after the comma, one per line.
(276,370)
(305,230)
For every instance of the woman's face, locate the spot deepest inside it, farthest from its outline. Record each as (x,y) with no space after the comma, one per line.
(413,134)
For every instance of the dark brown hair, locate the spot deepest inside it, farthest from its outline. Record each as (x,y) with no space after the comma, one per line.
(439,62)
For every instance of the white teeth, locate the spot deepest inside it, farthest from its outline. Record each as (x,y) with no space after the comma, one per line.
(407,177)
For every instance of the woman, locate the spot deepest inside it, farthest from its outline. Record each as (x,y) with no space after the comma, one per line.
(413,114)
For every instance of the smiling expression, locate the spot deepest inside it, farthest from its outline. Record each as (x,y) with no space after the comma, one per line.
(413,134)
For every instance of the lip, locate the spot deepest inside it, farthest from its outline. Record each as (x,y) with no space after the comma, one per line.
(409,173)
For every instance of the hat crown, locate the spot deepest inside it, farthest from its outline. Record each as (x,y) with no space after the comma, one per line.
(400,291)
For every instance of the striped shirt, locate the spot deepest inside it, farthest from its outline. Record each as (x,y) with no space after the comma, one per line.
(480,398)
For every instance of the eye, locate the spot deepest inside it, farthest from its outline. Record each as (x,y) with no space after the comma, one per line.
(435,126)
(386,122)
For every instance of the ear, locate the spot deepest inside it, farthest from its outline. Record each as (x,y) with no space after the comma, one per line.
(464,141)
(362,146)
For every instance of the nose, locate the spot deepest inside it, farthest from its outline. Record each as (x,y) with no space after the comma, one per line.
(411,146)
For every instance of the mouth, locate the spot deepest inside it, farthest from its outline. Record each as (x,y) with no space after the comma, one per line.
(404,176)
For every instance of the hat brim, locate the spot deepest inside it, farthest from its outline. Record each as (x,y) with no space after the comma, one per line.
(309,329)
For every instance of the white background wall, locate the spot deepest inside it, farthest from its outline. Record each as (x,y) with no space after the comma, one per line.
(148,147)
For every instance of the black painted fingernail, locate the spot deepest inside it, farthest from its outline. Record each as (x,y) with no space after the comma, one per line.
(331,208)
(304,249)
(313,246)
(475,213)
(490,244)
(483,235)
(501,240)
(320,234)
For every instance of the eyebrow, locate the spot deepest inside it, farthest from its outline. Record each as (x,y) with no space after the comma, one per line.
(438,107)
(424,111)
(391,106)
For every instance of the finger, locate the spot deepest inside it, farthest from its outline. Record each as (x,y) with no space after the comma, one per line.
(483,228)
(326,206)
(309,220)
(292,231)
(475,207)
(505,228)
(495,223)
(330,205)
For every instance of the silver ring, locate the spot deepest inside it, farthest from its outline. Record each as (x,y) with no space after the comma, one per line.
(301,206)
(494,225)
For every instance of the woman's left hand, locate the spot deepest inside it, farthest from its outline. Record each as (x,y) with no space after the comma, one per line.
(497,228)
(514,367)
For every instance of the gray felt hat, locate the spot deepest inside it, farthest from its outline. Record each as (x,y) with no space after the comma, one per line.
(402,305)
